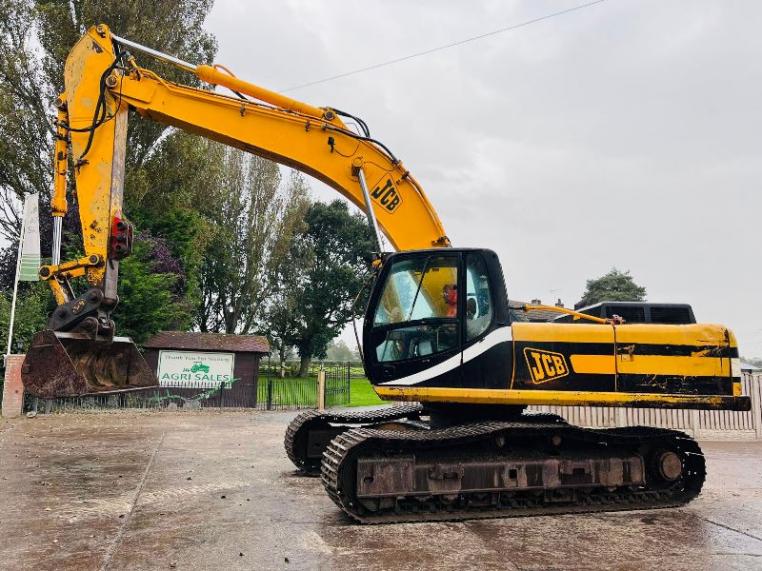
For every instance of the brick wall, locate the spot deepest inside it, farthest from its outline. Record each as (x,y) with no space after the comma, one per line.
(13,390)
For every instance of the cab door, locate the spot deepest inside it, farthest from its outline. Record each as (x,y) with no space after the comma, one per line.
(487,350)
(412,327)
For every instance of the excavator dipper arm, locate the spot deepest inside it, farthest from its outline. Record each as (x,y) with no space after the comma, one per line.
(102,84)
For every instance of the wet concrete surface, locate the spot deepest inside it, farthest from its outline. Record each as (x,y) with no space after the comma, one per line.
(214,490)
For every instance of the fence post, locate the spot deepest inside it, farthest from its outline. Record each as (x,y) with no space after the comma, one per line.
(269,393)
(347,383)
(756,413)
(695,422)
(321,389)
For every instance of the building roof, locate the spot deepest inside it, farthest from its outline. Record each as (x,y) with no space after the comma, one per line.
(747,366)
(533,314)
(208,342)
(541,315)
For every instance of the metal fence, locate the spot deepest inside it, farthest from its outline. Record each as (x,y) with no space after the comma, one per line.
(707,424)
(284,393)
(290,369)
(269,393)
(276,393)
(188,396)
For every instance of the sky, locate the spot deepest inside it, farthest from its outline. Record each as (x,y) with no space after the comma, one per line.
(627,134)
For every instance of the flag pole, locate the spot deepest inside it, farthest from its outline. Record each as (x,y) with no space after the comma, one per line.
(16,282)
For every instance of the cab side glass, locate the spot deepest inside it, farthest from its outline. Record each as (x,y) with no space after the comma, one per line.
(479,306)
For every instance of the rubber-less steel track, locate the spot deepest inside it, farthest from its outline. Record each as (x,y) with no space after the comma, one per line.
(486,441)
(306,451)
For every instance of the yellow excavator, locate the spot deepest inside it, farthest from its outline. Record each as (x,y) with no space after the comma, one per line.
(439,331)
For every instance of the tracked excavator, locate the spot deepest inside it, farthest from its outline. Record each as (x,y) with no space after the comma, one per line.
(439,332)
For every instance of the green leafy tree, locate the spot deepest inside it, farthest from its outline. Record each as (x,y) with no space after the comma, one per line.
(170,203)
(253,217)
(289,281)
(32,306)
(339,351)
(161,190)
(36,38)
(335,253)
(148,302)
(8,266)
(613,286)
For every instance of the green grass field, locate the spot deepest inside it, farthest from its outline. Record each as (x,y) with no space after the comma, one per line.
(302,391)
(361,393)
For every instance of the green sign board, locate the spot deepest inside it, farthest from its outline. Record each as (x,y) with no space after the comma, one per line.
(195,369)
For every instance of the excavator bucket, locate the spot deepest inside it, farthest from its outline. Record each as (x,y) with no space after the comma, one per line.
(73,364)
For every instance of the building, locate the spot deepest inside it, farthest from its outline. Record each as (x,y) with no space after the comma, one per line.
(535,315)
(227,366)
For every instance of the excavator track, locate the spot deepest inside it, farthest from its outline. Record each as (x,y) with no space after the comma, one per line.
(508,469)
(310,432)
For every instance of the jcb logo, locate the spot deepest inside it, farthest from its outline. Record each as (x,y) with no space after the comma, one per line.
(545,366)
(387,195)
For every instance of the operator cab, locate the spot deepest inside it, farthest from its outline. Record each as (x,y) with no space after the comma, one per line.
(439,318)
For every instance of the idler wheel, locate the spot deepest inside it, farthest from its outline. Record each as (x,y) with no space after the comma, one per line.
(670,466)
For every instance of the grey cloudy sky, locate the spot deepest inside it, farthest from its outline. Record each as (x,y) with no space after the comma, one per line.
(626,134)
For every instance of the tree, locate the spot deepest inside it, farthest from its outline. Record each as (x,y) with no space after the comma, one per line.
(8,257)
(283,318)
(170,204)
(613,286)
(339,351)
(161,191)
(32,307)
(36,37)
(335,253)
(148,302)
(253,217)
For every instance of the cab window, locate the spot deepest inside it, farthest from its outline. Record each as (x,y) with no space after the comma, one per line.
(418,309)
(479,307)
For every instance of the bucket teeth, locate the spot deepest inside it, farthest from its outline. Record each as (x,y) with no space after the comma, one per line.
(72,364)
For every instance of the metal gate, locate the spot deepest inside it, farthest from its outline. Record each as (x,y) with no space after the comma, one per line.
(337,385)
(284,393)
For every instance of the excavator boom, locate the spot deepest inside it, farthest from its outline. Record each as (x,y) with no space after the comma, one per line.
(103,84)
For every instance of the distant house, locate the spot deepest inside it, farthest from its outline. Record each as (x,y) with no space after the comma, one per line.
(188,361)
(748,367)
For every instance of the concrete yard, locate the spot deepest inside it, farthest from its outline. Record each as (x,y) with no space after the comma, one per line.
(214,490)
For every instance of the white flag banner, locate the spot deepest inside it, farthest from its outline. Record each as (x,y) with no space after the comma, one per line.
(28,262)
(29,265)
